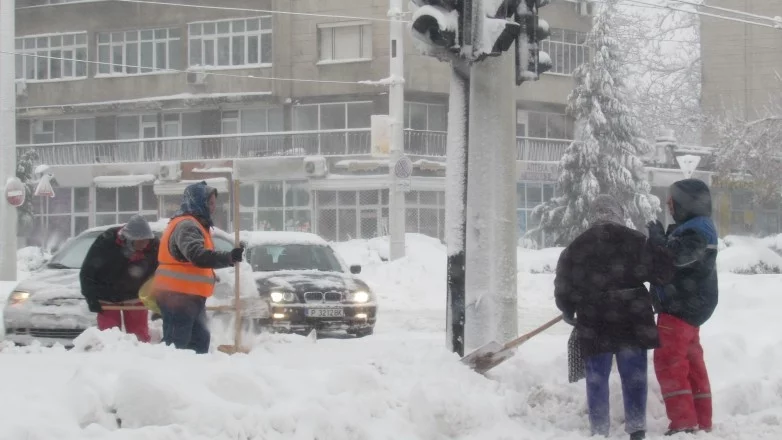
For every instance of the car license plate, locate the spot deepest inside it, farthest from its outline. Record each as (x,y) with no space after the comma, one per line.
(323,312)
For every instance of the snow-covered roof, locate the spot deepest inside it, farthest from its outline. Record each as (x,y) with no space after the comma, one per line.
(122,181)
(260,238)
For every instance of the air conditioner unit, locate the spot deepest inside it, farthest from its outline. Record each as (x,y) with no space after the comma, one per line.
(169,172)
(21,88)
(315,166)
(196,78)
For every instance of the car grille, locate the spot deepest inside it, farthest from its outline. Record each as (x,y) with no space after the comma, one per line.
(64,333)
(322,297)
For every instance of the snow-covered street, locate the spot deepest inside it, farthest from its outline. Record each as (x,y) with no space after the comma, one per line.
(400,383)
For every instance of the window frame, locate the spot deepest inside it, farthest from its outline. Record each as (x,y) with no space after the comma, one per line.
(124,65)
(245,34)
(554,44)
(26,55)
(365,42)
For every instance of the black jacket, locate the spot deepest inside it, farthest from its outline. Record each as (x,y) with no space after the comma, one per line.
(108,275)
(692,294)
(600,277)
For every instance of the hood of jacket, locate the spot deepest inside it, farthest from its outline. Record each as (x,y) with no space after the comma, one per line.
(195,202)
(691,198)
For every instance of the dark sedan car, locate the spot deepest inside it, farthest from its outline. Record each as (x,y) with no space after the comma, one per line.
(308,287)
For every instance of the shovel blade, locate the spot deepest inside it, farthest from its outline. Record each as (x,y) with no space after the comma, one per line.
(230,349)
(487,357)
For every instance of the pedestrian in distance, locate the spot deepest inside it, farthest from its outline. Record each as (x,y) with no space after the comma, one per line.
(685,304)
(185,277)
(117,264)
(599,287)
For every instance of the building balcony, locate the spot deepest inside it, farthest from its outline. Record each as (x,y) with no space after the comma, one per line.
(298,143)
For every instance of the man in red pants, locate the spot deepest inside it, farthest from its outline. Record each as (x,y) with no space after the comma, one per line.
(118,263)
(684,305)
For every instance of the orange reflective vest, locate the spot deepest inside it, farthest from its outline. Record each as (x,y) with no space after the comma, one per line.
(173,275)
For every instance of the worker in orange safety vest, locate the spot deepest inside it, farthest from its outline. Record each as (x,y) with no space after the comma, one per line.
(185,275)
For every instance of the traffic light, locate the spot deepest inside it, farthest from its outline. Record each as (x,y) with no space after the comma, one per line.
(436,23)
(500,28)
(531,62)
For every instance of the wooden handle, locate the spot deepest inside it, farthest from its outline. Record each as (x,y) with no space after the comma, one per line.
(237,290)
(524,338)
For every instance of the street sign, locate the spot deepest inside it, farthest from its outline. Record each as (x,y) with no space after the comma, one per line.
(44,188)
(403,172)
(688,163)
(14,192)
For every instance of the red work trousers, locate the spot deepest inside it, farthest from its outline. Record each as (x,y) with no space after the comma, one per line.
(682,374)
(136,321)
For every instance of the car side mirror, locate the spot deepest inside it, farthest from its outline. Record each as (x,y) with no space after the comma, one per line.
(355,269)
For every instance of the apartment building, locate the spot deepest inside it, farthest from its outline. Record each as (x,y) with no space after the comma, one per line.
(742,75)
(113,97)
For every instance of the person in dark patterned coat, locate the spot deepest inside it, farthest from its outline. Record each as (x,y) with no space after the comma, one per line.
(599,287)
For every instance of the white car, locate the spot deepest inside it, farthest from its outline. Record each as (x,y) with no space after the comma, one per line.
(49,307)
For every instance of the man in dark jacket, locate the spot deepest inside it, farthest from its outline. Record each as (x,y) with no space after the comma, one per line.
(185,276)
(118,263)
(599,287)
(685,304)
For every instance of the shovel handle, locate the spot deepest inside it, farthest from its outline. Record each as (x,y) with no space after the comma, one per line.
(524,338)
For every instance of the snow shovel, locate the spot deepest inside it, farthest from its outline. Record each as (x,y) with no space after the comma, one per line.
(237,307)
(492,354)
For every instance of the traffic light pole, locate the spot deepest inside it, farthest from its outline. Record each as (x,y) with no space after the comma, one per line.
(491,242)
(456,196)
(7,137)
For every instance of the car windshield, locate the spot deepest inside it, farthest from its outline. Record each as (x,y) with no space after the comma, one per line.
(270,258)
(72,254)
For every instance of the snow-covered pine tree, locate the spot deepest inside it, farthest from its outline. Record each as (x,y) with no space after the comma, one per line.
(607,157)
(25,169)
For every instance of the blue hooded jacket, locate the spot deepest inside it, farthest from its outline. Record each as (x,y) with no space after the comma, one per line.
(195,202)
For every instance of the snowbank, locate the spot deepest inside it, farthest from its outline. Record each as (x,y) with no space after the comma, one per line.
(749,255)
(31,258)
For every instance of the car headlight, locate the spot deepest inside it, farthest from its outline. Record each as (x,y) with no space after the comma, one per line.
(18,297)
(359,297)
(282,296)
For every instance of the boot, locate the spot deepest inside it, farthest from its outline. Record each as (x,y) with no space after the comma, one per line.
(677,431)
(638,435)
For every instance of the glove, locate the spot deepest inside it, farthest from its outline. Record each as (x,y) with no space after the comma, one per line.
(656,232)
(569,318)
(237,255)
(94,306)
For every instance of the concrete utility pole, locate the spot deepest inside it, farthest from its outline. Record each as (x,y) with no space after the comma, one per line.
(396,111)
(7,137)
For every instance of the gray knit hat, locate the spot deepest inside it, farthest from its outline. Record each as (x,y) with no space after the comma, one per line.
(606,208)
(137,228)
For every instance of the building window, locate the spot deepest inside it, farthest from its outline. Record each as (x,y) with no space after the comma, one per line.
(118,205)
(262,120)
(226,43)
(275,206)
(345,42)
(425,126)
(63,216)
(140,51)
(425,213)
(567,49)
(51,57)
(544,125)
(344,128)
(345,215)
(62,130)
(530,195)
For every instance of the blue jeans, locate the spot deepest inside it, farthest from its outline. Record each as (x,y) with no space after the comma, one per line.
(632,365)
(184,321)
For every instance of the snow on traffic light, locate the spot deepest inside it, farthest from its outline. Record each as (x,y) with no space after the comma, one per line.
(531,62)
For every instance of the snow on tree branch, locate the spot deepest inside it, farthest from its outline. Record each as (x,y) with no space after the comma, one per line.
(606,159)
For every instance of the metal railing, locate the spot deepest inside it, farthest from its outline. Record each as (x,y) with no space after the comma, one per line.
(289,143)
(541,150)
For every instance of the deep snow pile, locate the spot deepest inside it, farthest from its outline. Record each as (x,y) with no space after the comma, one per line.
(398,384)
(750,255)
